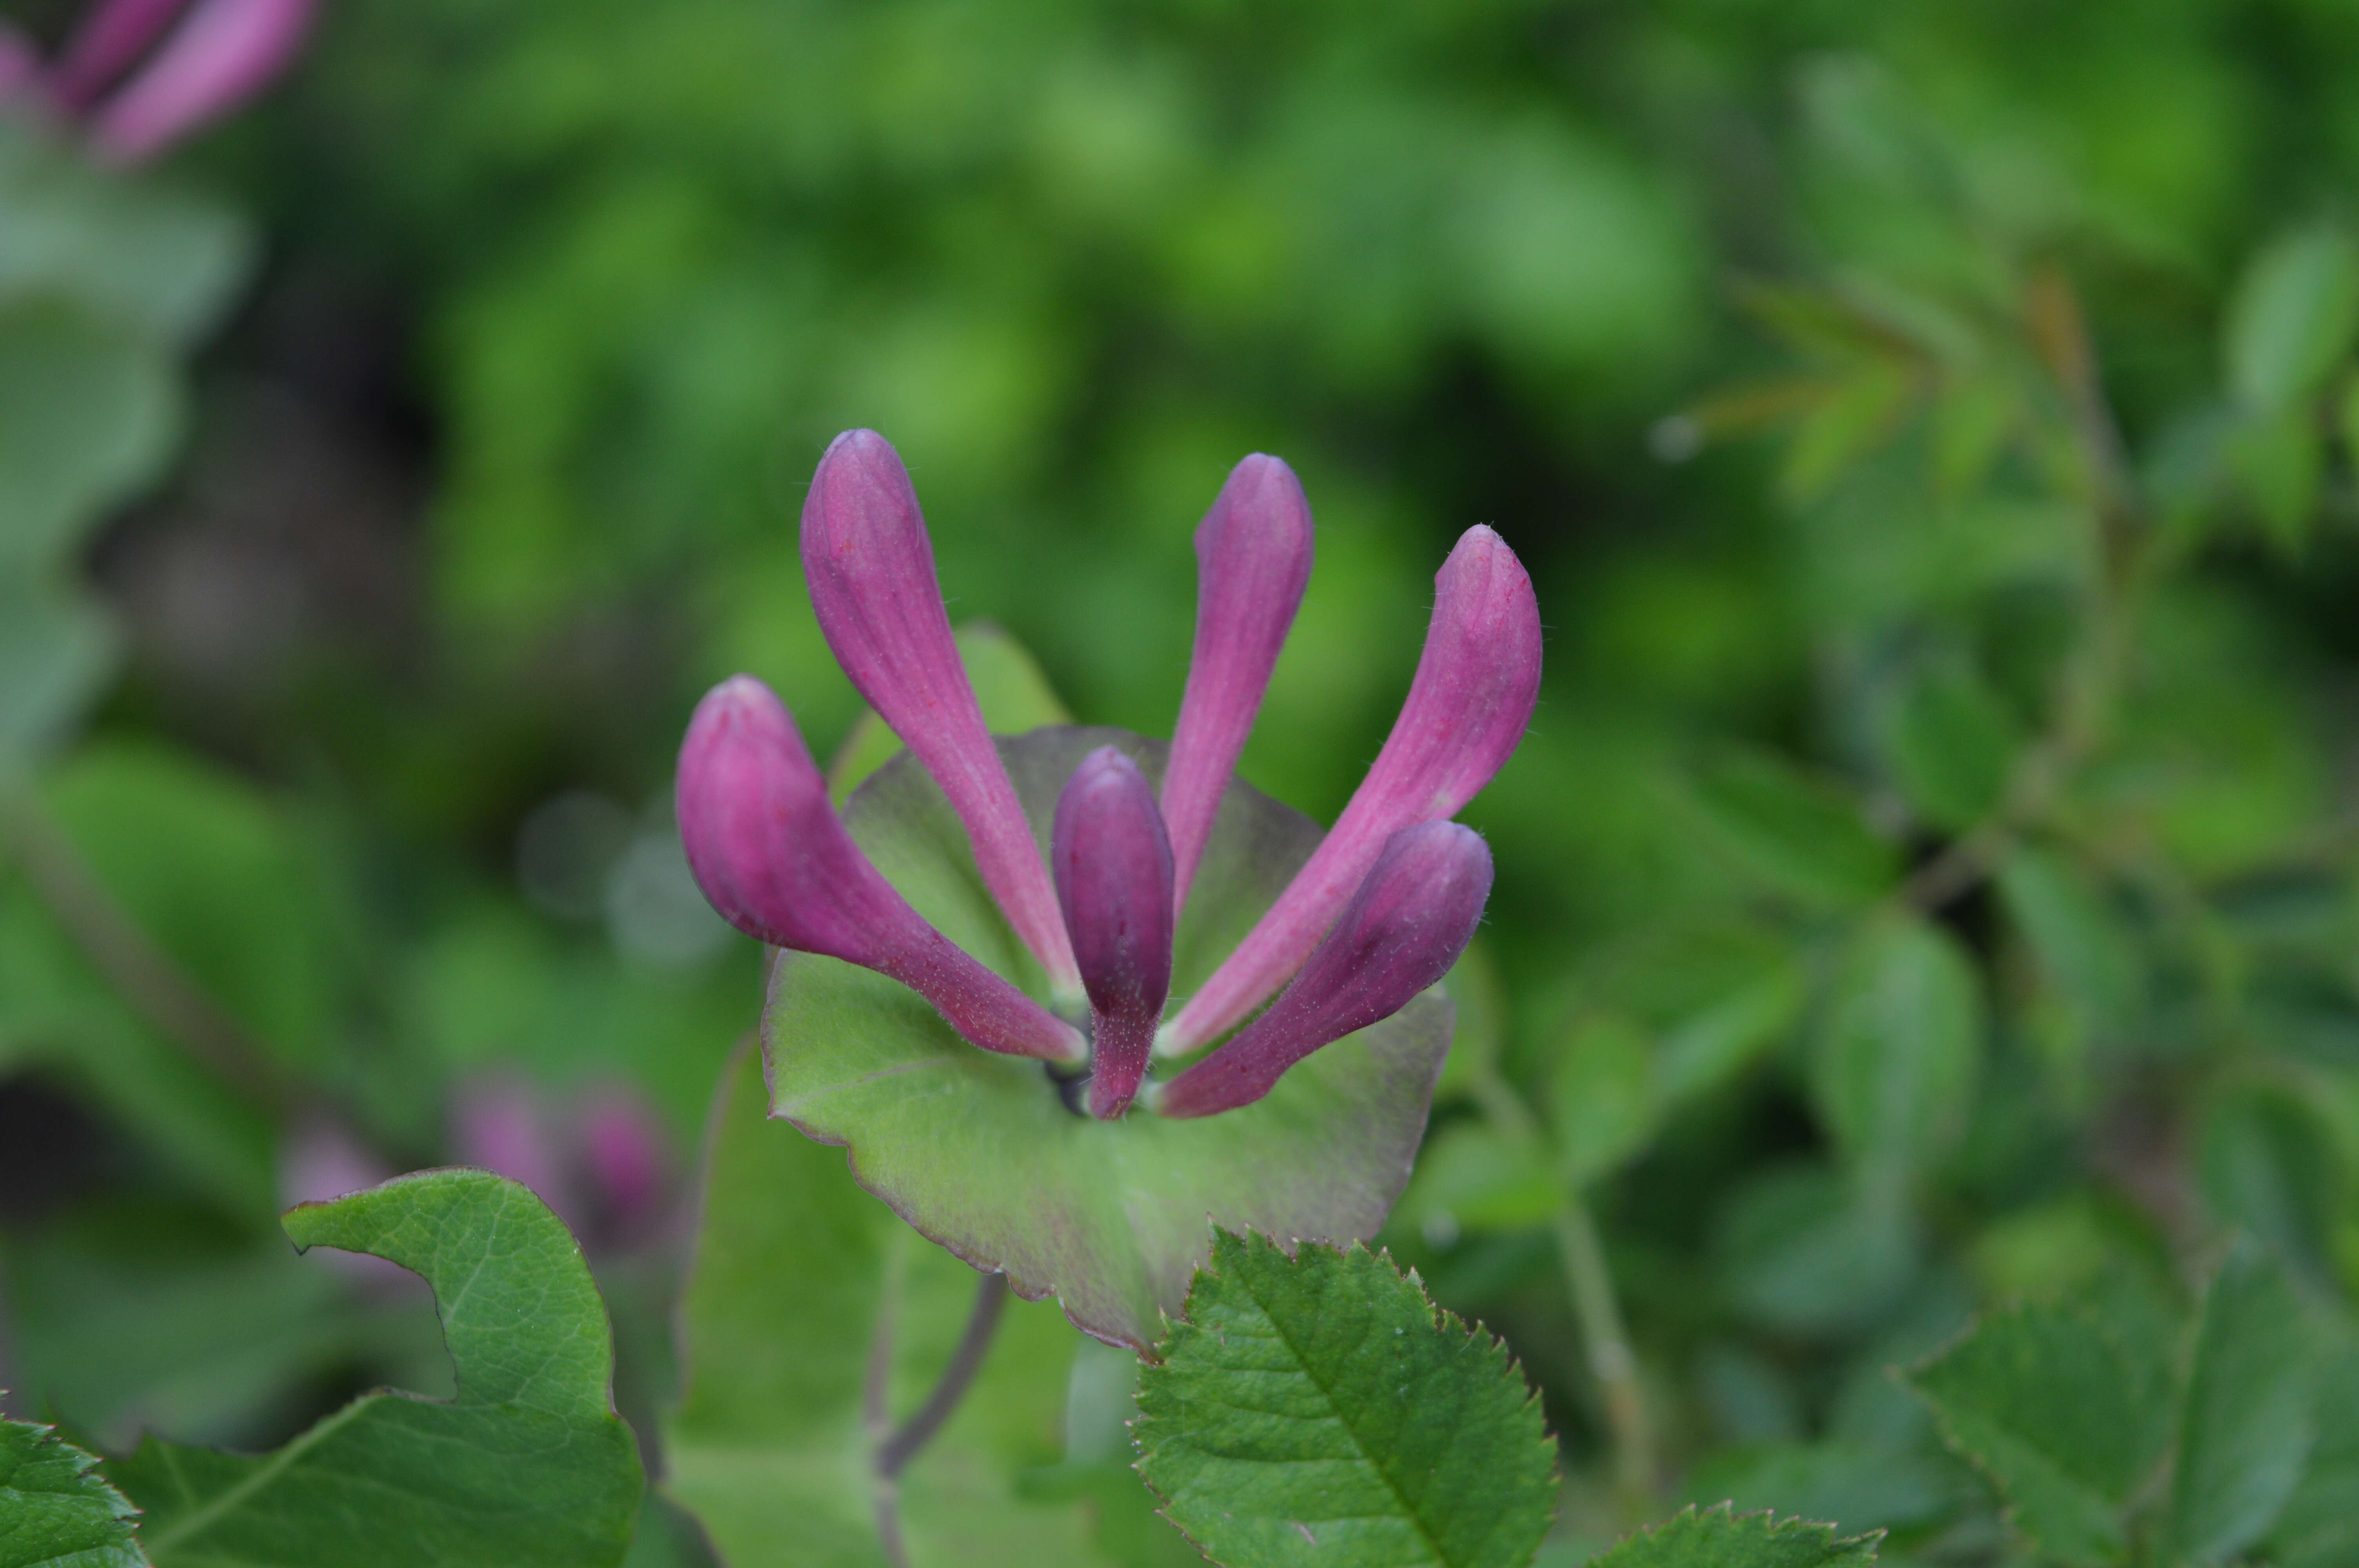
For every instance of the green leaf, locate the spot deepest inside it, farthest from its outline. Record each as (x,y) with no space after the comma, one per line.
(1603,1106)
(1949,743)
(1807,1249)
(1899,1049)
(1473,1176)
(1800,835)
(1721,1538)
(87,411)
(1858,1485)
(2249,1417)
(2319,1526)
(2292,317)
(528,1465)
(1319,1410)
(57,650)
(135,252)
(2084,954)
(1014,694)
(2267,1162)
(56,1511)
(801,1278)
(982,1153)
(2063,1417)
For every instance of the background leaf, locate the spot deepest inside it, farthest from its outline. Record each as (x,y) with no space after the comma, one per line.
(1898,1050)
(1721,1538)
(1318,1409)
(2248,1420)
(527,1465)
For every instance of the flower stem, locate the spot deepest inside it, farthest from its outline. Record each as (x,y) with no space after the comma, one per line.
(895,1451)
(1606,1344)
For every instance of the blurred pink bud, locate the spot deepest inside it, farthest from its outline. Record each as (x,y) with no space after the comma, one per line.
(1253,561)
(1113,865)
(497,1124)
(20,63)
(220,53)
(115,34)
(871,569)
(623,1152)
(1407,925)
(1468,707)
(768,848)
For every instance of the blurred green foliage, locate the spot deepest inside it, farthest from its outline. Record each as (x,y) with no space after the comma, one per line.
(1928,885)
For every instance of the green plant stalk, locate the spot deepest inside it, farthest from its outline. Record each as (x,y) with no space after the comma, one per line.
(896,1446)
(1596,1311)
(1606,1344)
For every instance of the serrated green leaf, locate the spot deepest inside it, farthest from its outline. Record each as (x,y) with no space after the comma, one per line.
(2249,1417)
(1317,1409)
(1721,1538)
(1603,1106)
(1014,694)
(982,1153)
(1855,1484)
(2292,317)
(1949,743)
(1899,1049)
(1801,836)
(799,1276)
(528,1465)
(2063,1417)
(56,1509)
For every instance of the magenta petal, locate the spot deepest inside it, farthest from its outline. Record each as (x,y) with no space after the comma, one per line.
(1253,560)
(221,54)
(115,34)
(1468,707)
(1401,932)
(770,854)
(870,569)
(1112,864)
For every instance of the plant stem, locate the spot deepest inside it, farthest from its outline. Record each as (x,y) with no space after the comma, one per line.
(146,978)
(896,1448)
(1607,1346)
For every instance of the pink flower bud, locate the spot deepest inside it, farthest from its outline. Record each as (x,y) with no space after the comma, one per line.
(1253,560)
(870,569)
(1467,708)
(770,854)
(221,53)
(1113,865)
(1409,921)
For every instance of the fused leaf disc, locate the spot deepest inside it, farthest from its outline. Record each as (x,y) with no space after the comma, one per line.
(986,1155)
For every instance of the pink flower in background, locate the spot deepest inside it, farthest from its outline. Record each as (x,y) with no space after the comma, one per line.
(139,75)
(1380,912)
(599,1160)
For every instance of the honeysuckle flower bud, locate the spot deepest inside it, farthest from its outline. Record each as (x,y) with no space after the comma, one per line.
(1253,561)
(1406,925)
(1113,865)
(220,54)
(768,848)
(870,569)
(1467,708)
